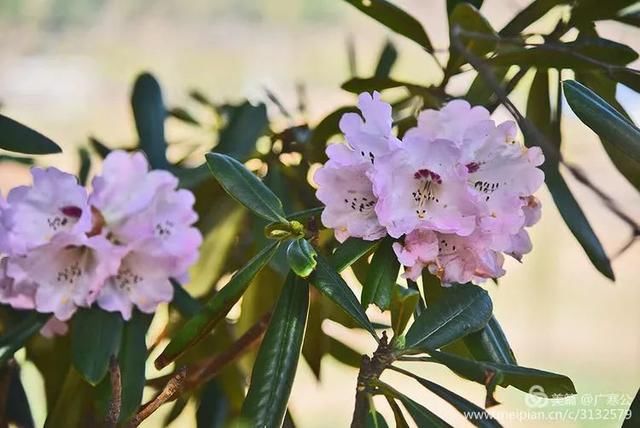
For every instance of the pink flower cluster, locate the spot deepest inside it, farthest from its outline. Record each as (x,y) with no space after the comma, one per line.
(457,189)
(118,246)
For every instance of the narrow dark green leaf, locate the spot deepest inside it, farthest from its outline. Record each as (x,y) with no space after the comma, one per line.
(606,88)
(132,358)
(395,19)
(213,408)
(422,416)
(325,129)
(344,354)
(632,418)
(183,115)
(215,309)
(601,49)
(350,251)
(403,303)
(245,187)
(463,309)
(375,420)
(490,344)
(18,411)
(358,85)
(576,56)
(277,360)
(245,124)
(451,4)
(577,222)
(95,337)
(527,16)
(585,11)
(631,18)
(381,277)
(16,337)
(100,148)
(522,378)
(301,257)
(476,415)
(149,113)
(603,119)
(71,403)
(467,18)
(387,59)
(480,93)
(183,302)
(401,422)
(18,159)
(16,137)
(305,214)
(85,165)
(330,283)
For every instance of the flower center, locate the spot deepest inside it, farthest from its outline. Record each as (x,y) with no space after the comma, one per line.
(126,278)
(486,187)
(361,204)
(164,229)
(426,191)
(368,155)
(69,274)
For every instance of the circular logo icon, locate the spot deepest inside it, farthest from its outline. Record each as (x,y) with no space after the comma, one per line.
(536,397)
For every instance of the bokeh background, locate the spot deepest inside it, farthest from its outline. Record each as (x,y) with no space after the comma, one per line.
(66,68)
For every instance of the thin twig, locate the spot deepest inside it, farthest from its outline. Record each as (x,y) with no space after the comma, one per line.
(115,402)
(170,391)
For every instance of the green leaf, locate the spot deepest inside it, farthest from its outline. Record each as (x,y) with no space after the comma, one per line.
(213,408)
(631,18)
(95,337)
(422,416)
(18,411)
(277,360)
(344,354)
(480,93)
(245,124)
(463,309)
(381,277)
(70,406)
(100,148)
(85,165)
(593,10)
(350,251)
(132,358)
(395,19)
(571,55)
(522,378)
(305,214)
(183,301)
(403,302)
(149,113)
(375,420)
(490,344)
(215,309)
(401,422)
(468,18)
(16,337)
(325,129)
(245,187)
(358,85)
(527,16)
(387,59)
(183,115)
(301,257)
(606,88)
(603,119)
(330,283)
(451,4)
(476,415)
(16,137)
(633,414)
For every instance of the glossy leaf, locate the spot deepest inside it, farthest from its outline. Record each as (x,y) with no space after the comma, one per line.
(603,119)
(606,88)
(245,124)
(16,137)
(149,113)
(276,363)
(476,415)
(467,18)
(85,165)
(463,309)
(401,422)
(632,418)
(95,337)
(16,337)
(132,359)
(213,408)
(215,309)
(403,303)
(301,257)
(245,187)
(375,420)
(382,276)
(350,251)
(422,416)
(522,378)
(395,19)
(357,85)
(330,283)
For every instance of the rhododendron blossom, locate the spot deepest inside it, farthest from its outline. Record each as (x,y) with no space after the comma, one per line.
(456,192)
(118,247)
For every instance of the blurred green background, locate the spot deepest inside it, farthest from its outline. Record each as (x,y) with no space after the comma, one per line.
(66,67)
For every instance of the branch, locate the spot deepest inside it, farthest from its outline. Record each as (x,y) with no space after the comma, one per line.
(115,402)
(171,390)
